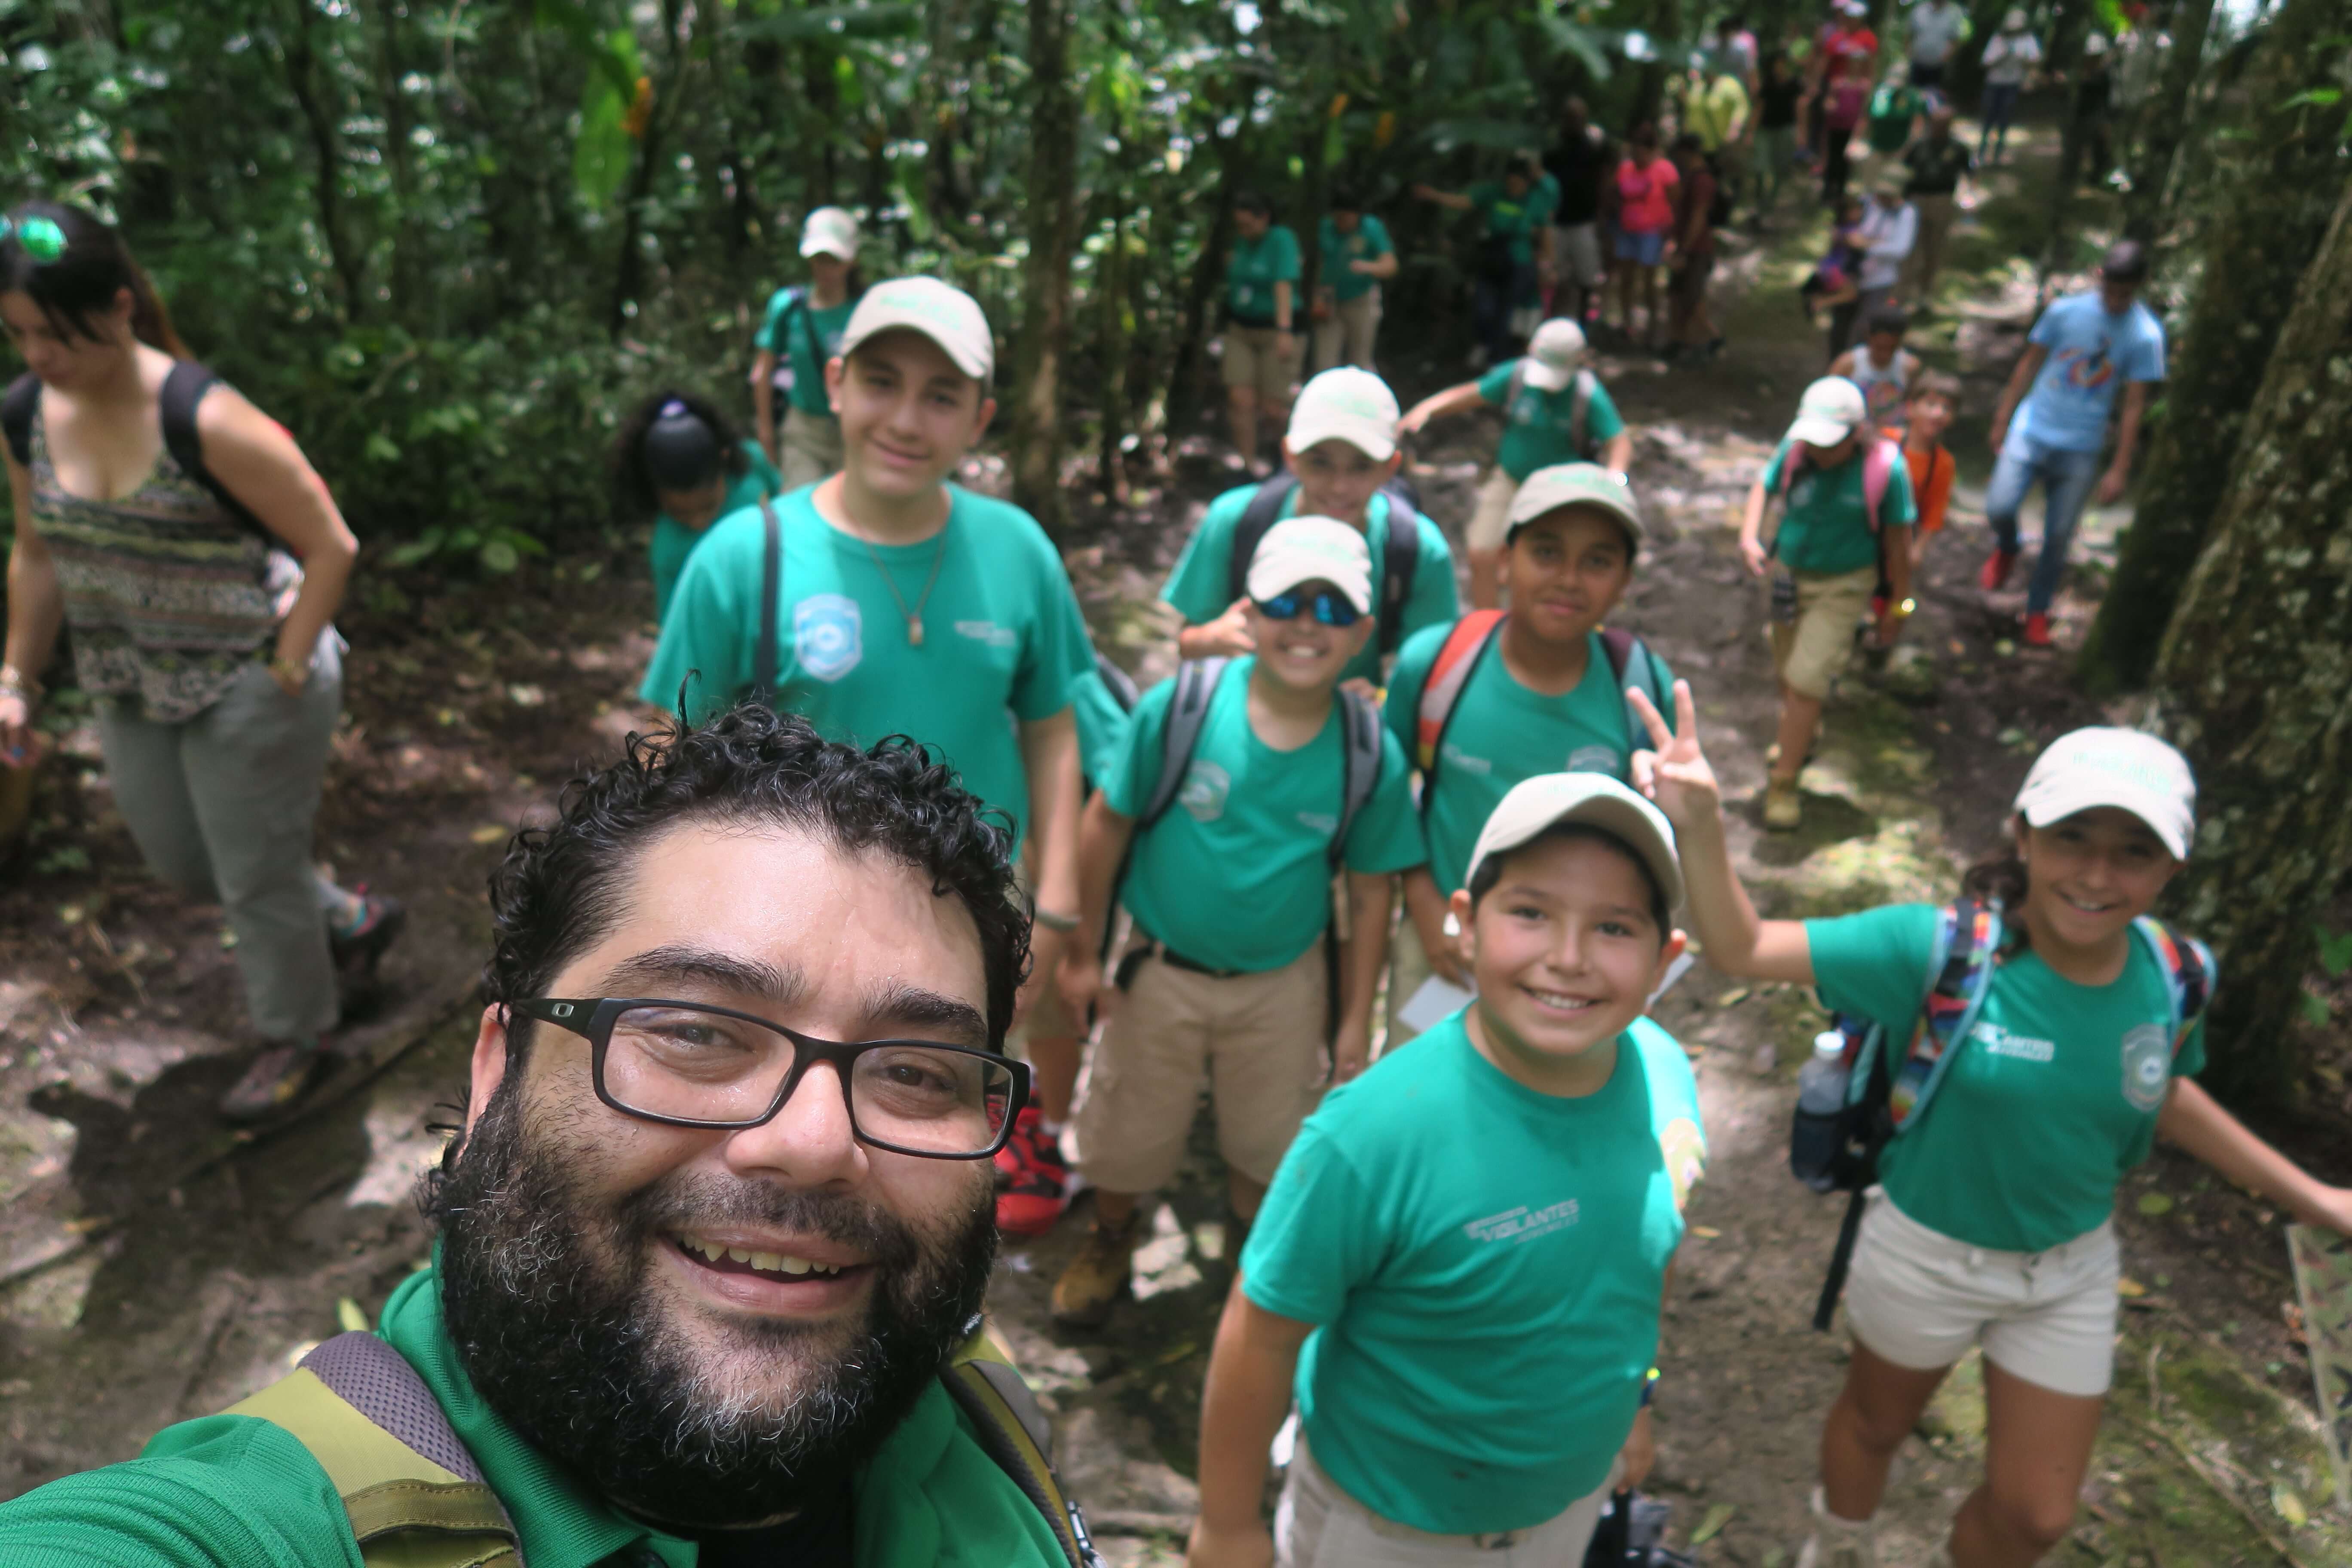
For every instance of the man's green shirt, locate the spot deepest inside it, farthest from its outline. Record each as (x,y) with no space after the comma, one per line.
(1826,527)
(1002,639)
(1255,267)
(1369,243)
(235,1492)
(1200,586)
(805,338)
(1539,426)
(1518,216)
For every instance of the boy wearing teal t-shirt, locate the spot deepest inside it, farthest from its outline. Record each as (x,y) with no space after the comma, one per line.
(1260,346)
(1341,450)
(1835,540)
(797,338)
(1470,1337)
(1535,695)
(1555,410)
(904,605)
(1233,889)
(1357,255)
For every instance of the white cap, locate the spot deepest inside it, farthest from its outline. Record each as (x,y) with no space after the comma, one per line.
(1346,405)
(2014,22)
(2127,769)
(940,311)
(1312,550)
(1553,354)
(2094,45)
(829,231)
(1595,799)
(1576,484)
(1832,409)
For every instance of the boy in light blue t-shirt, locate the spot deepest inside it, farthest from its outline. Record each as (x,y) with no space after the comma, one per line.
(1470,1339)
(2085,350)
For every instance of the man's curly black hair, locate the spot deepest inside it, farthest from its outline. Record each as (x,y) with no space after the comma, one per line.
(560,889)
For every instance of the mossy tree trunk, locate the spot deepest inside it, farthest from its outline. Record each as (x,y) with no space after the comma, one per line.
(1054,204)
(2274,207)
(2252,679)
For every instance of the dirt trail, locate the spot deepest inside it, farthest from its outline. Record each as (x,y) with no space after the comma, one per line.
(151,1272)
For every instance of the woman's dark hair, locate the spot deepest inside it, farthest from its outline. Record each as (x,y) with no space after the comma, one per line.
(634,497)
(1346,199)
(2002,877)
(1490,870)
(1252,201)
(88,276)
(1645,134)
(561,888)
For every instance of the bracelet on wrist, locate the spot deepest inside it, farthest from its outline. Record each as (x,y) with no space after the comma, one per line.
(1649,1387)
(290,672)
(1052,921)
(17,683)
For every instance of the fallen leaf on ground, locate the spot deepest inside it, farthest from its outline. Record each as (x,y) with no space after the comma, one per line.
(1705,1231)
(2290,1507)
(348,1314)
(487,833)
(1733,998)
(1712,1525)
(2155,1204)
(2129,1286)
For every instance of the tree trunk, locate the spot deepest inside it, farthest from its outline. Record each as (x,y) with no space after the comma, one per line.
(2164,121)
(1054,206)
(302,76)
(1111,335)
(2273,209)
(410,298)
(2251,682)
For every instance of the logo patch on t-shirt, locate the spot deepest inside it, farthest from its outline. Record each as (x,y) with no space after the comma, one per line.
(2001,1043)
(1318,822)
(1595,760)
(2148,1067)
(1465,760)
(1206,785)
(1523,1223)
(828,635)
(988,632)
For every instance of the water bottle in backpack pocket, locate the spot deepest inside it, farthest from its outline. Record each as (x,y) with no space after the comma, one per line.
(1817,1136)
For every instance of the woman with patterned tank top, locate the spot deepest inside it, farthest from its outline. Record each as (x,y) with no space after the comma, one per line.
(200,604)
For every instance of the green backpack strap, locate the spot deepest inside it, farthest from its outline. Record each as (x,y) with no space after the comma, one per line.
(413,1495)
(988,1389)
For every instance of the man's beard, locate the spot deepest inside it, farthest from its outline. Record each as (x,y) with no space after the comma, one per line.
(554,1313)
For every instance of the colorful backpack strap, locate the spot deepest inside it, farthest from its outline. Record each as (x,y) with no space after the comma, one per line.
(1636,669)
(1878,460)
(1968,951)
(2189,973)
(1448,673)
(988,1389)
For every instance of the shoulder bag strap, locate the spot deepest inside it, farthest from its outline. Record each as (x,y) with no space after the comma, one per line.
(1441,688)
(1399,559)
(1188,711)
(767,657)
(184,389)
(16,411)
(1258,516)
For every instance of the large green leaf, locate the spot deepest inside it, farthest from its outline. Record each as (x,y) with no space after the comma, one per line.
(600,159)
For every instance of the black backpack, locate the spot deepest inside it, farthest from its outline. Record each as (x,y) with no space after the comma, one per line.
(1400,555)
(184,388)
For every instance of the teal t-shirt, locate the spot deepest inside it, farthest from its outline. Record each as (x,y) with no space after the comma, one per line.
(1539,426)
(1891,110)
(674,542)
(1102,724)
(1825,527)
(1002,639)
(802,339)
(1369,243)
(1200,585)
(1236,875)
(1518,216)
(1484,1266)
(1502,734)
(2055,1095)
(1253,270)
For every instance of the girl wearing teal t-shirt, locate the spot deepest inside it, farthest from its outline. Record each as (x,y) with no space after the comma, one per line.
(1993,1222)
(679,460)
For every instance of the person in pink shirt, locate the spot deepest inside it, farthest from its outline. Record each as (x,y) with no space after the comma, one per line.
(1642,196)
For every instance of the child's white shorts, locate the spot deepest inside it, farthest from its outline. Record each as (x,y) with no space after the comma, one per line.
(1919,1298)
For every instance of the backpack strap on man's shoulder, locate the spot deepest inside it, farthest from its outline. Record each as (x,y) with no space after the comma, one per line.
(16,411)
(1118,682)
(1399,559)
(184,388)
(990,1391)
(1263,509)
(2188,974)
(1179,736)
(1441,688)
(767,657)
(1878,463)
(415,1497)
(1634,667)
(1359,767)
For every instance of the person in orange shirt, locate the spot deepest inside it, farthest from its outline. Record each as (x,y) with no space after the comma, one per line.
(1930,402)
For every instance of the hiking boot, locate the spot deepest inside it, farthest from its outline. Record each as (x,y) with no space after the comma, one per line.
(1782,810)
(1838,1542)
(358,949)
(1033,1181)
(1098,1276)
(2037,629)
(1997,568)
(280,1076)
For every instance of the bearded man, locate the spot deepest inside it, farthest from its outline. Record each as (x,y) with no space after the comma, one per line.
(699,1268)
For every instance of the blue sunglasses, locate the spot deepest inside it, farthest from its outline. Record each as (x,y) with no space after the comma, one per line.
(1331,608)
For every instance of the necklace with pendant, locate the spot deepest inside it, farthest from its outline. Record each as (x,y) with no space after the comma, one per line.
(914,617)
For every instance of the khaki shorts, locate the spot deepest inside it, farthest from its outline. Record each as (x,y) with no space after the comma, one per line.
(1408,971)
(1919,1298)
(1490,519)
(1256,357)
(1345,335)
(811,447)
(1318,1525)
(1811,651)
(1257,1038)
(1576,250)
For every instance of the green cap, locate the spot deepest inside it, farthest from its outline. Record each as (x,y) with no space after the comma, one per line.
(1576,484)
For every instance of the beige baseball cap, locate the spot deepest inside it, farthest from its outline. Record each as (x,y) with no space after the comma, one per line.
(829,231)
(1596,800)
(1553,354)
(2127,769)
(1576,484)
(1312,550)
(940,311)
(1346,405)
(1832,409)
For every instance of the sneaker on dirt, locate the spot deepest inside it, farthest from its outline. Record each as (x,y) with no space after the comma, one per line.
(1033,1181)
(280,1076)
(1098,1276)
(359,948)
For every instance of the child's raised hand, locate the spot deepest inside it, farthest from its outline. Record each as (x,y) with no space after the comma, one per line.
(1673,771)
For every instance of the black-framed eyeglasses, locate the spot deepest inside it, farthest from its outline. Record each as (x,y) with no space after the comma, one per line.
(1333,609)
(686,1065)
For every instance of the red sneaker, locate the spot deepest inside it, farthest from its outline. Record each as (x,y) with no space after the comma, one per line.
(1997,568)
(1033,1181)
(2037,629)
